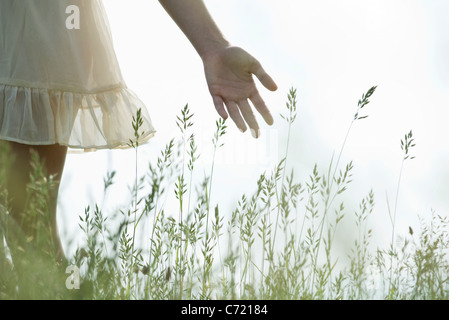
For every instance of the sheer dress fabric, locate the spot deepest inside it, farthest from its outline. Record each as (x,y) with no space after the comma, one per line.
(62,85)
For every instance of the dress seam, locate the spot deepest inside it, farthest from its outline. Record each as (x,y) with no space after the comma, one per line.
(31,85)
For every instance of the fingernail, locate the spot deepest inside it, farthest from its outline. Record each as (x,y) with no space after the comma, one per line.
(254,133)
(241,130)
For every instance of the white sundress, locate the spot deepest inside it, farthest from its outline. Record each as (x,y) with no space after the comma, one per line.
(61,83)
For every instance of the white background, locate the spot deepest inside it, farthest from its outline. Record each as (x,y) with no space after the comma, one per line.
(332,52)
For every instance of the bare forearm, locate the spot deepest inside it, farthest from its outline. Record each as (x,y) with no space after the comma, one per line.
(193,18)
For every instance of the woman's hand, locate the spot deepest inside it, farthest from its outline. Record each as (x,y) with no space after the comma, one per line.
(229,75)
(229,70)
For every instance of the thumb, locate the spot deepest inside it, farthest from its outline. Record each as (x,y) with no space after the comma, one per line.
(263,77)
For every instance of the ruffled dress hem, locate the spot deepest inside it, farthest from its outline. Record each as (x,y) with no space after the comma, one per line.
(122,145)
(82,121)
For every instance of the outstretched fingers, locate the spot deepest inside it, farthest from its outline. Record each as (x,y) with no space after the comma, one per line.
(242,113)
(233,110)
(235,115)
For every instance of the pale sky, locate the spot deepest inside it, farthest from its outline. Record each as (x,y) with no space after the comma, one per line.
(332,52)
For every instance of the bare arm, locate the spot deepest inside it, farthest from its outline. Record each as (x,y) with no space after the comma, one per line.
(193,18)
(228,69)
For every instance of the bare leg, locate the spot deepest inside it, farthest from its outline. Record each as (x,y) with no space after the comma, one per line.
(53,158)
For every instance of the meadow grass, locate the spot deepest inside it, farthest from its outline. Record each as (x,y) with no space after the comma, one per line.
(277,243)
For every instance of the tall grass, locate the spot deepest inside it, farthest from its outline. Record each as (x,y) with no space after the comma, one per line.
(277,243)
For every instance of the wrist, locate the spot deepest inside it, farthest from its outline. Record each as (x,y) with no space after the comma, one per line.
(212,47)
